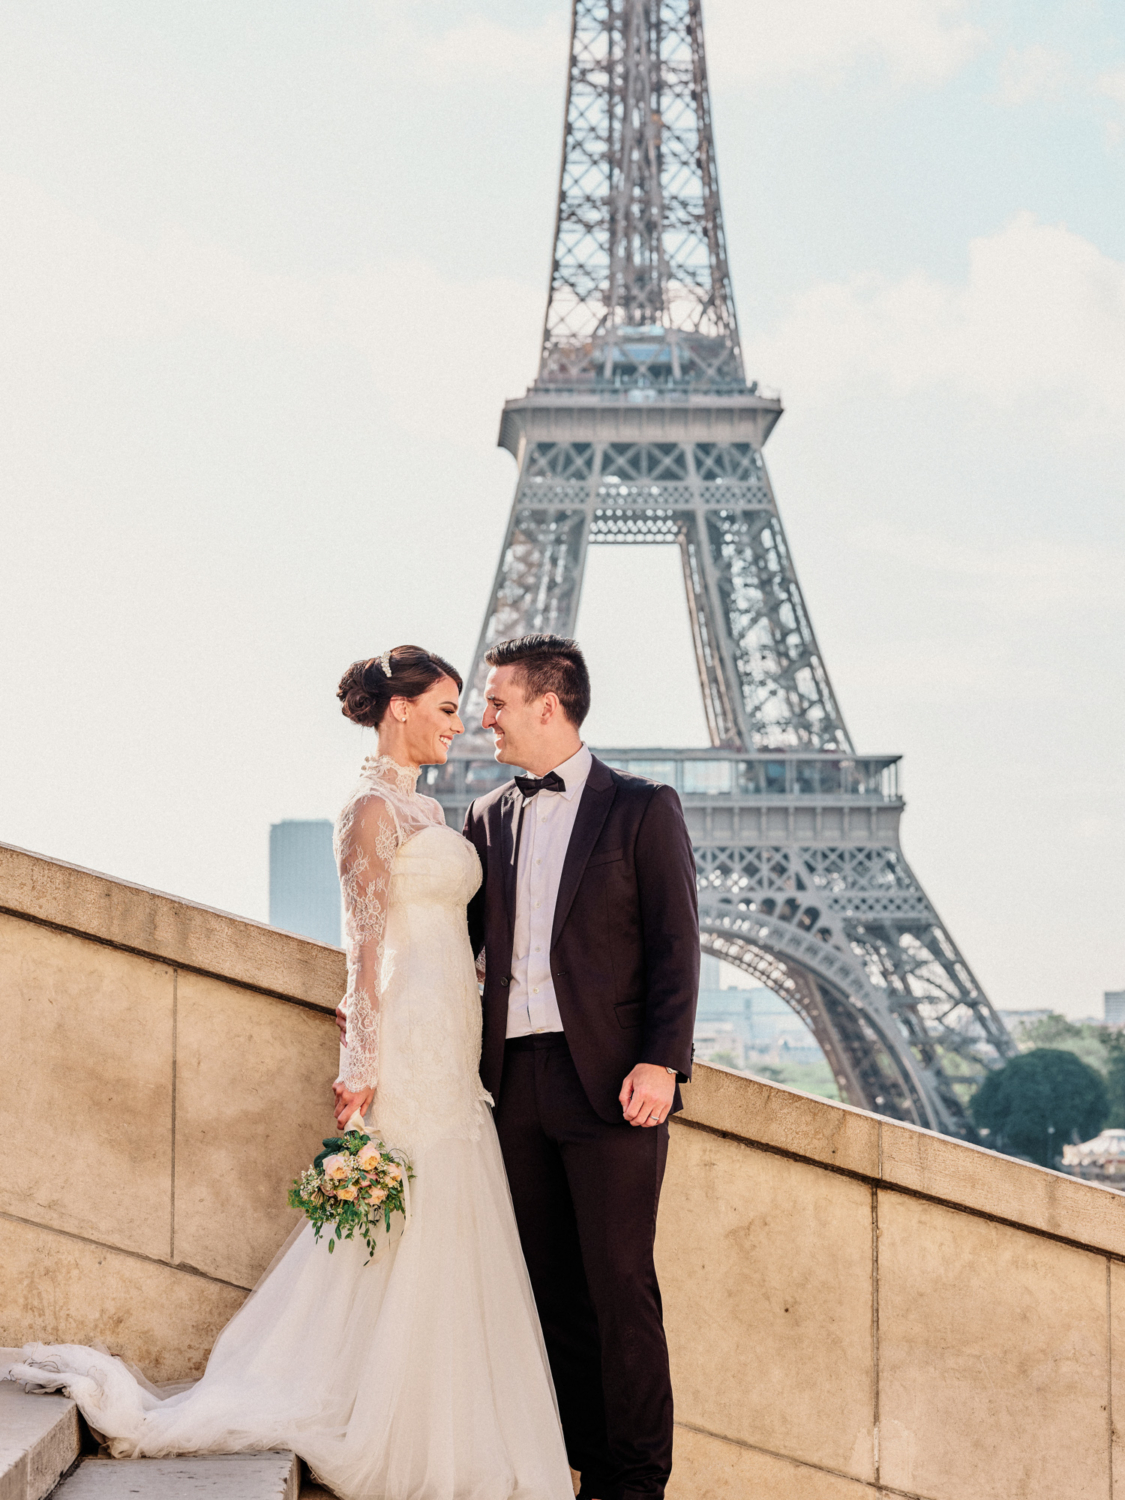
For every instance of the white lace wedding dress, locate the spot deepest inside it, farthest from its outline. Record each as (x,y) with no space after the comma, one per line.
(422,1375)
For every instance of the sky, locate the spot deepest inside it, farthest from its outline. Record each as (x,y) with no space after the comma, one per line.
(269,271)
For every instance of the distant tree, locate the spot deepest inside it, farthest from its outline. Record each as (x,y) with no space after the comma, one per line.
(1115,1078)
(1085,1039)
(725,1060)
(1039,1102)
(1103,1047)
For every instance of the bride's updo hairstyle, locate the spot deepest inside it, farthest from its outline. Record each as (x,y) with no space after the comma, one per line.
(366,689)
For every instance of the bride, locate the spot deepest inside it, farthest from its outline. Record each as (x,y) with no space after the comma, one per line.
(422,1374)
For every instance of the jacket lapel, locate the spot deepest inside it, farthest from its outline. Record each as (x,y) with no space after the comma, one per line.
(509,818)
(597,797)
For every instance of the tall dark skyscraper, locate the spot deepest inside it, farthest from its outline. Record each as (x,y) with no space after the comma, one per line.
(304,888)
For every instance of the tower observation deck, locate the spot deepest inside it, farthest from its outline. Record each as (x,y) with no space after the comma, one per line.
(641,427)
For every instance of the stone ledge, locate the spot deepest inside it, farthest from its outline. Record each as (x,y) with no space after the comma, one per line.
(833,1135)
(884,1152)
(890,1154)
(182,933)
(38,1442)
(219,1476)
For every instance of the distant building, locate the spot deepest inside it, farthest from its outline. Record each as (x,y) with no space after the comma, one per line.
(719,1042)
(1099,1160)
(1018,1020)
(743,1027)
(1114,1007)
(304,887)
(710,973)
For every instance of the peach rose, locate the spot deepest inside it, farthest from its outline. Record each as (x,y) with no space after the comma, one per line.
(368,1157)
(336,1168)
(348,1194)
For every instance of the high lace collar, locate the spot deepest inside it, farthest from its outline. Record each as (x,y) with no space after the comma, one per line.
(383,768)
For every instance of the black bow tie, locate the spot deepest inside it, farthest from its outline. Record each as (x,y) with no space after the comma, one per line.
(531,786)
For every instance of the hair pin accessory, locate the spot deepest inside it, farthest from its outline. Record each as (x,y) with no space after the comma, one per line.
(385,663)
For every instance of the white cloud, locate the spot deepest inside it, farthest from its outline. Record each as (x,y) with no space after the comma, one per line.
(68,285)
(1112,85)
(482,49)
(919,41)
(1025,576)
(1040,317)
(1033,73)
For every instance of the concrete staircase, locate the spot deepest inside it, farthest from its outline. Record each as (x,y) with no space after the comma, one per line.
(224,1476)
(41,1453)
(39,1442)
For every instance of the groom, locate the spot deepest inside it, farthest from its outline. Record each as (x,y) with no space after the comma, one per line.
(588,919)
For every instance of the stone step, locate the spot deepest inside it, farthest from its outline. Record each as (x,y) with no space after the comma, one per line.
(218,1476)
(39,1440)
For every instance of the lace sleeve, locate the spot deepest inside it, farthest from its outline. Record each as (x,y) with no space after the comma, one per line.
(366,841)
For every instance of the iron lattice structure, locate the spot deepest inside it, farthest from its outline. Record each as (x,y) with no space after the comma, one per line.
(642,428)
(639,244)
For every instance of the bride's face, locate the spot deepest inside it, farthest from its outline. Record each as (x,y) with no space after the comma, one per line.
(431,723)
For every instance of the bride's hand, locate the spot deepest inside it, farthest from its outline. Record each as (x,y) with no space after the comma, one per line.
(347,1103)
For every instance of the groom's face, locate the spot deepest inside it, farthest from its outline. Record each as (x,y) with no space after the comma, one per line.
(516,724)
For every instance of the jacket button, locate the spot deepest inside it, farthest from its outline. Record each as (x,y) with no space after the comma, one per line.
(504,981)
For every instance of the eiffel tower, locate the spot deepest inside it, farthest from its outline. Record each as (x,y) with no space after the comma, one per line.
(641,427)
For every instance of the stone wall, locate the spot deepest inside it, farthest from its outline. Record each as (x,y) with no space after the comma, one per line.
(856,1308)
(165,1072)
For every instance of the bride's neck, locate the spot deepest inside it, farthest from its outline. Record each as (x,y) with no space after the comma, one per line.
(393,744)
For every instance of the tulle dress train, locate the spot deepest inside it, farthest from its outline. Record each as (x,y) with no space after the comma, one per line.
(420,1375)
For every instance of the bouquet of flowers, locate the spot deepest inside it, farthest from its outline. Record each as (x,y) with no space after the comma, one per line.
(353,1186)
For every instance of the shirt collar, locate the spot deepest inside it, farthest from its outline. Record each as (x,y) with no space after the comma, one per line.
(575,771)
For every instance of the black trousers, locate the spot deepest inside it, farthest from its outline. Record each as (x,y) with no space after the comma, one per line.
(586,1195)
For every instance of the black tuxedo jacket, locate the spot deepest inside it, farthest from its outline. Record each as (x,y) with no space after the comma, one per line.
(625,940)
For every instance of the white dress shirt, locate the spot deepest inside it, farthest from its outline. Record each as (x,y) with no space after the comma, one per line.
(548,821)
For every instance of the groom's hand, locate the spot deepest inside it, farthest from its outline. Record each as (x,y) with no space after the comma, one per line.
(646,1095)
